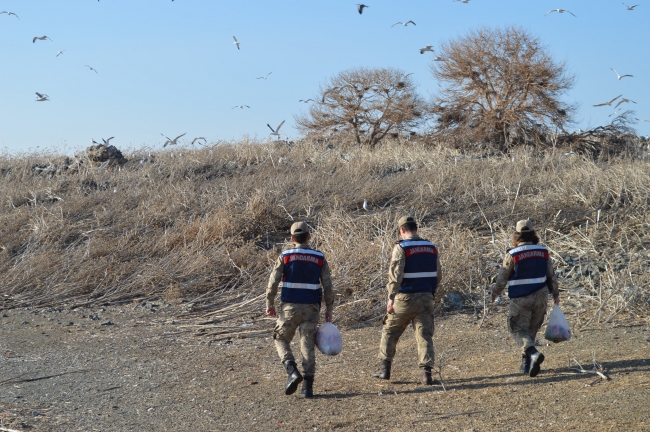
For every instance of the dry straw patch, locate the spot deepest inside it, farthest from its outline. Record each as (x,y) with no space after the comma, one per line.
(205,226)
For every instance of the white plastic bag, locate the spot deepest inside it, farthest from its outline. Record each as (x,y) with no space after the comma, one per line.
(557,329)
(328,339)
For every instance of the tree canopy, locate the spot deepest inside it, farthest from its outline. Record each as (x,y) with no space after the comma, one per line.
(366,103)
(500,86)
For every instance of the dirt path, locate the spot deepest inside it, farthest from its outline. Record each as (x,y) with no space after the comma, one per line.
(136,370)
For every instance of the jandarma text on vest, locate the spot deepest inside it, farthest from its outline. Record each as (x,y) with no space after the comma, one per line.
(420,250)
(530,254)
(303,258)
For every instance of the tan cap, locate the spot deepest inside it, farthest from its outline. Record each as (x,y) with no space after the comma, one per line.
(299,228)
(404,220)
(525,225)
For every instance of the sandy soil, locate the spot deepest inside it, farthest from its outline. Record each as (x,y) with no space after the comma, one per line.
(134,369)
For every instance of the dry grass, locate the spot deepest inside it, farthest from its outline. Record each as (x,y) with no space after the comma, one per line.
(204,225)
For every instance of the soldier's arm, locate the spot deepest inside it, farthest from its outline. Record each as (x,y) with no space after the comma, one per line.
(504,274)
(395,271)
(274,281)
(551,280)
(326,282)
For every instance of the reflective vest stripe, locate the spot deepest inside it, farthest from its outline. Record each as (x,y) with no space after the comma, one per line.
(525,248)
(303,251)
(300,285)
(420,275)
(526,281)
(409,243)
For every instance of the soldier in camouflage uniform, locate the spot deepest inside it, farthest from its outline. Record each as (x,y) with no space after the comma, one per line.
(413,275)
(528,272)
(302,270)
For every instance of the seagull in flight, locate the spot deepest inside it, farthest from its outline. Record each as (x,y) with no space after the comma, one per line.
(621,76)
(236,42)
(265,77)
(92,69)
(360,7)
(39,38)
(328,91)
(276,131)
(622,101)
(404,23)
(628,7)
(106,141)
(436,58)
(240,106)
(426,48)
(42,97)
(560,11)
(306,101)
(59,53)
(198,138)
(172,141)
(608,103)
(11,13)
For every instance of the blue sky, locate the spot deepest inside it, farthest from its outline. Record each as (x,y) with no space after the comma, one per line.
(171,67)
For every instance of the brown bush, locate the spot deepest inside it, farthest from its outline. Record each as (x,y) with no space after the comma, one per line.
(178,230)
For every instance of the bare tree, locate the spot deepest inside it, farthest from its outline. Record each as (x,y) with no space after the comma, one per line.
(367,103)
(500,86)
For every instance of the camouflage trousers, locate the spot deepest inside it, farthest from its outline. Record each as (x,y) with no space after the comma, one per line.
(292,316)
(415,309)
(526,316)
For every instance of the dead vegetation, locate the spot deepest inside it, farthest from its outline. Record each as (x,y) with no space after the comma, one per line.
(204,226)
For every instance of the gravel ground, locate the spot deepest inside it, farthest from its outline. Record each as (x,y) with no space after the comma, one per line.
(135,369)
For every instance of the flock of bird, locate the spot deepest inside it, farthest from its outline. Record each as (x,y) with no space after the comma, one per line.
(42,97)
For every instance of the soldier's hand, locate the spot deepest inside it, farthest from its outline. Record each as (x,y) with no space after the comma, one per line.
(389,306)
(328,316)
(270,311)
(556,300)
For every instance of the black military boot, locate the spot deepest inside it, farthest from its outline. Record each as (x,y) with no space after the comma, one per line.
(525,364)
(307,390)
(536,359)
(293,377)
(427,379)
(384,370)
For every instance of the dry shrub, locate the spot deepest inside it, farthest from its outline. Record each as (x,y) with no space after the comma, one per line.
(205,225)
